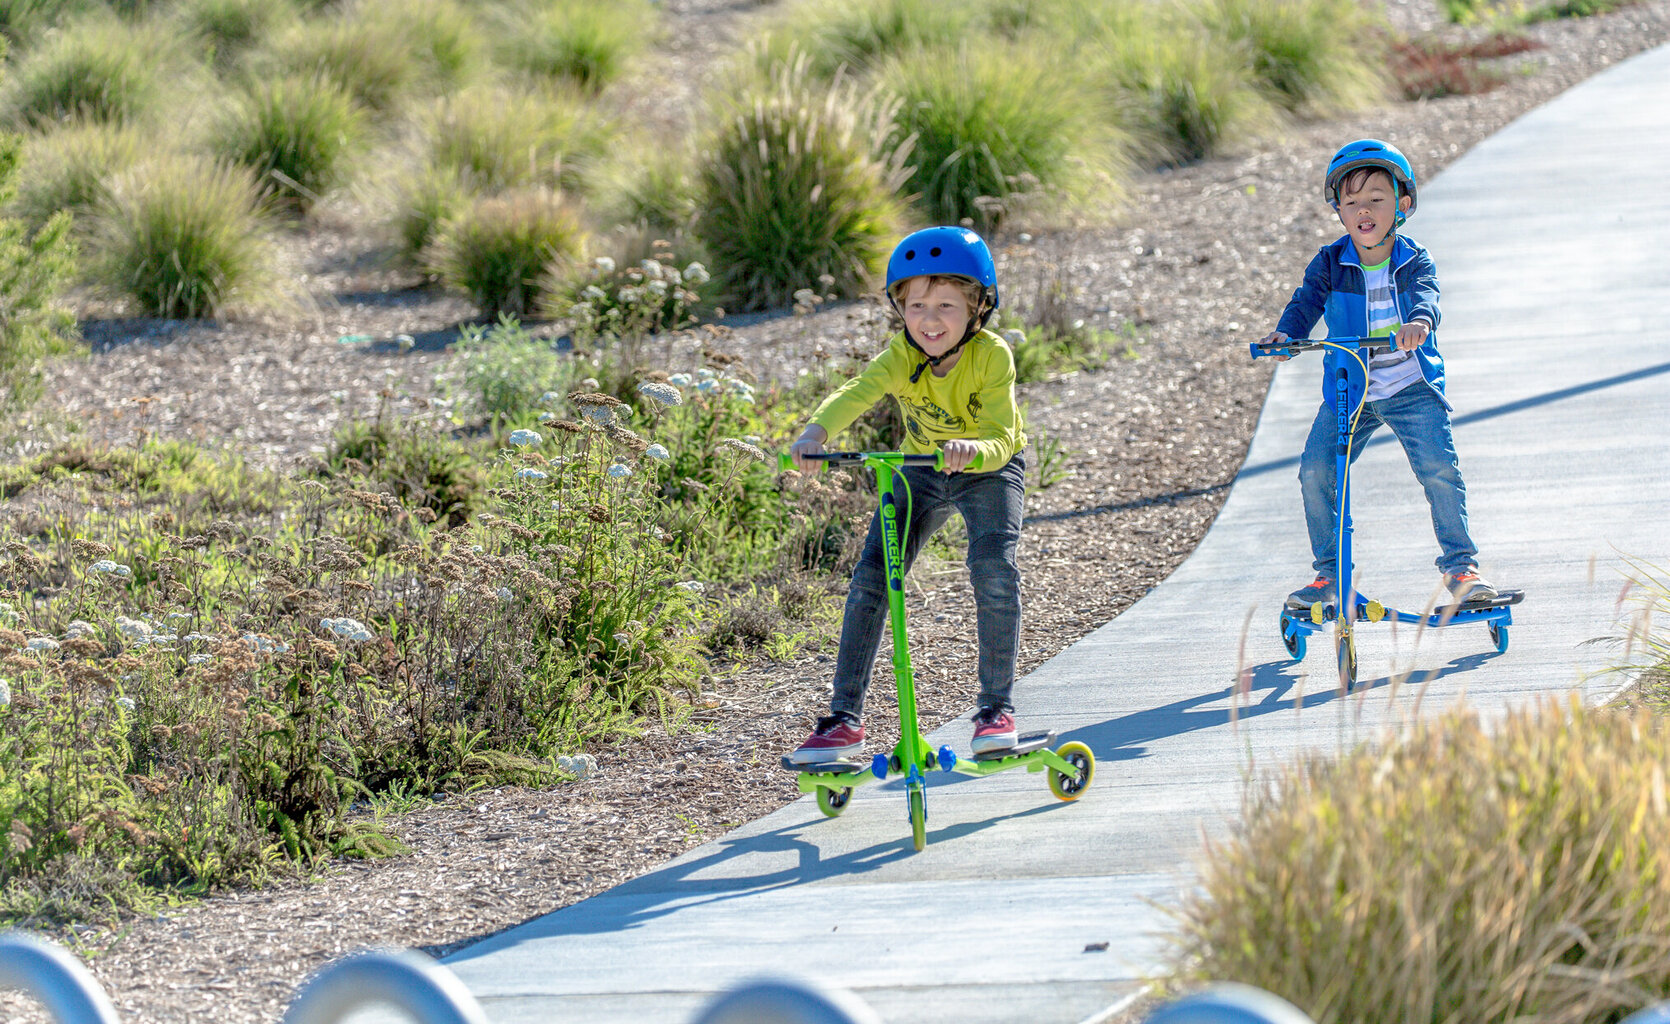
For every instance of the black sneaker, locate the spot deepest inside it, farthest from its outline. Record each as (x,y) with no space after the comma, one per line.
(994,729)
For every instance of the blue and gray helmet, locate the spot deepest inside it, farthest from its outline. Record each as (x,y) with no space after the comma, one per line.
(1371,153)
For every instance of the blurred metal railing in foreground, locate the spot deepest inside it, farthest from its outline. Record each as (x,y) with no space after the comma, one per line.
(428,993)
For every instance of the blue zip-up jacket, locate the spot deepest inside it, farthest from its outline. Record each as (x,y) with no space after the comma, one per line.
(1335,288)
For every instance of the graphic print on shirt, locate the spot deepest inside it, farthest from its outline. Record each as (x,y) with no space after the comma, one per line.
(921,414)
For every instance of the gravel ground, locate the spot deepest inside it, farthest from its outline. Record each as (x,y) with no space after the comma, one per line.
(1201,258)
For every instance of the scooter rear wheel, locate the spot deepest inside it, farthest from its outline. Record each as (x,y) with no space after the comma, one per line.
(833,801)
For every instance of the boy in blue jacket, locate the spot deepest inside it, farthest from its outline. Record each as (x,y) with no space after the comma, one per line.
(1375,282)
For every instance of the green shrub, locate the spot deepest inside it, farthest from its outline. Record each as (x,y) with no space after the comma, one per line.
(989,122)
(863,35)
(426,197)
(36,265)
(796,186)
(1186,100)
(185,237)
(442,35)
(1460,874)
(499,250)
(294,133)
(505,372)
(411,460)
(230,27)
(587,44)
(659,193)
(1307,53)
(23,21)
(497,137)
(370,59)
(98,68)
(70,168)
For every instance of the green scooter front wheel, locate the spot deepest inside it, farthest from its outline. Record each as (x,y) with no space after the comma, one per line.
(918,816)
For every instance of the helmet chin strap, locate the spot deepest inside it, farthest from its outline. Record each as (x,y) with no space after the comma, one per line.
(934,361)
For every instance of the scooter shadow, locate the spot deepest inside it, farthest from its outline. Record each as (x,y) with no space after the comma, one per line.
(714,875)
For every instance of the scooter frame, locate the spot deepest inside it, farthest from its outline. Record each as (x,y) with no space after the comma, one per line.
(1070,767)
(1350,386)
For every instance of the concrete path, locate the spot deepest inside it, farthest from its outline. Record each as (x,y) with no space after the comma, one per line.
(1557,334)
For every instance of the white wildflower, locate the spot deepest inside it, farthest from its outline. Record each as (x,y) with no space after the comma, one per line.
(630,294)
(114,568)
(523,438)
(707,385)
(657,289)
(696,274)
(200,659)
(197,638)
(550,398)
(651,269)
(126,704)
(133,628)
(264,644)
(348,629)
(604,264)
(5,693)
(530,473)
(706,373)
(580,766)
(658,452)
(589,384)
(682,380)
(601,415)
(620,471)
(80,628)
(623,638)
(694,586)
(1014,337)
(505,593)
(656,391)
(178,616)
(595,294)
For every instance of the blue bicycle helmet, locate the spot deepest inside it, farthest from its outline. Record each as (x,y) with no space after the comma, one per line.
(1371,153)
(949,251)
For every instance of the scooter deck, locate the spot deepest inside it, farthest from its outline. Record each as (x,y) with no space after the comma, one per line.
(826,767)
(1501,600)
(1025,743)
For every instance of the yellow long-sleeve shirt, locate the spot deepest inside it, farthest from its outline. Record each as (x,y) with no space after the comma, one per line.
(975,401)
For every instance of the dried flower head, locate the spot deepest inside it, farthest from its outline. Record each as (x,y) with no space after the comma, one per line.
(739,448)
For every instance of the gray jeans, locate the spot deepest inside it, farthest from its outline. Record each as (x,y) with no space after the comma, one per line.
(991,507)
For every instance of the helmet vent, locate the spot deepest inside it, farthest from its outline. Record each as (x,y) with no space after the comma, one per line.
(910,254)
(935,252)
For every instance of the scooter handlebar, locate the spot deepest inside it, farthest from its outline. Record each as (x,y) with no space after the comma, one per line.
(1293,346)
(785,461)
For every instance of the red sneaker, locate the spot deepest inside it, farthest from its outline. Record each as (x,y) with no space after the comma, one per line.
(994,729)
(833,739)
(1465,586)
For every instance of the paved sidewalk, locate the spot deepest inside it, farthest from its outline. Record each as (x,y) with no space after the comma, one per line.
(1557,337)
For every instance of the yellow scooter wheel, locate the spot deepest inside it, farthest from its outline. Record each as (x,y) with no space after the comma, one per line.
(1070,787)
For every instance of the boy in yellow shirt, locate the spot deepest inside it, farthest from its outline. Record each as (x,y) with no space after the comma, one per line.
(955,385)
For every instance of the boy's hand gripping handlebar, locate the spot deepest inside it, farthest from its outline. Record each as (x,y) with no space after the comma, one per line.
(1293,346)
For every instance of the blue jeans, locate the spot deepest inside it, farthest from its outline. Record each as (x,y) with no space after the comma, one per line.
(1421,422)
(991,508)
